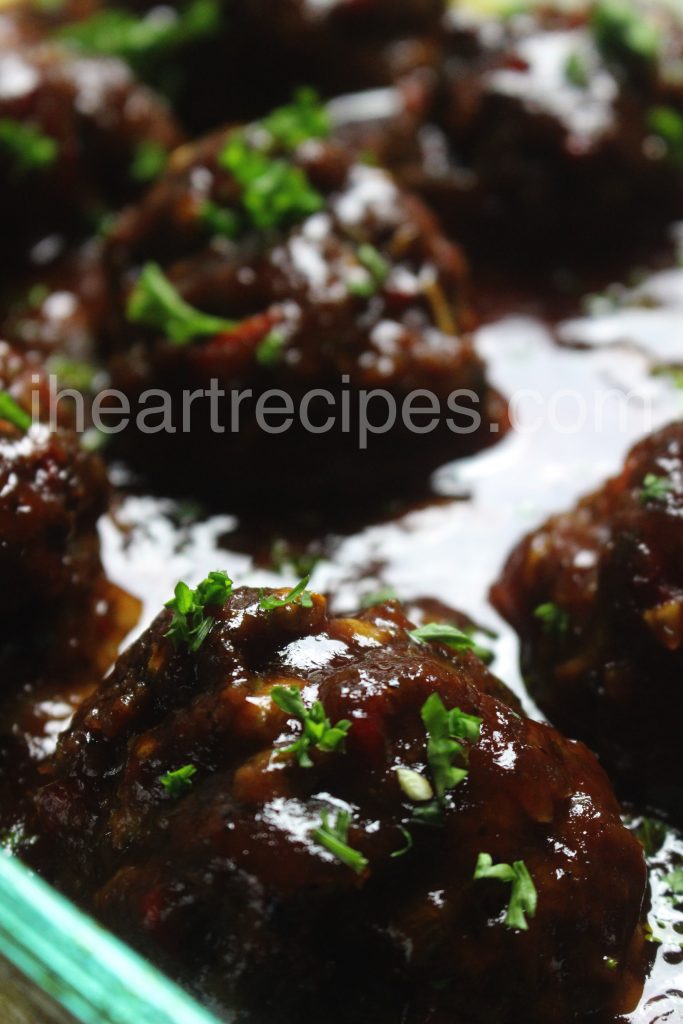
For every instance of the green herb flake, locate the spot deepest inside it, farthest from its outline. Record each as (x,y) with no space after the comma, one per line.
(576,71)
(380,596)
(554,619)
(274,192)
(269,351)
(190,624)
(452,637)
(674,882)
(72,373)
(27,146)
(445,730)
(12,412)
(113,32)
(178,782)
(297,595)
(523,897)
(335,840)
(318,730)
(303,119)
(667,124)
(611,963)
(407,846)
(623,34)
(154,302)
(655,489)
(377,271)
(651,834)
(219,220)
(149,162)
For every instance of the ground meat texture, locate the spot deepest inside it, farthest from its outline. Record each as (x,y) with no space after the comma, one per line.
(70,128)
(604,662)
(554,131)
(224,885)
(52,494)
(400,326)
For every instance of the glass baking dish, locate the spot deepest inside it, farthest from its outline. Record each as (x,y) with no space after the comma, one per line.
(59,967)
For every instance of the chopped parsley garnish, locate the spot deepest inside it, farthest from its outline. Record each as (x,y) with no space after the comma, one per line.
(380,596)
(318,730)
(623,34)
(219,220)
(269,351)
(297,595)
(274,192)
(191,624)
(674,882)
(667,124)
(611,963)
(523,897)
(408,845)
(305,118)
(154,302)
(554,619)
(149,161)
(72,373)
(655,488)
(284,556)
(12,412)
(445,730)
(576,71)
(141,41)
(334,839)
(377,271)
(651,834)
(451,636)
(28,147)
(176,783)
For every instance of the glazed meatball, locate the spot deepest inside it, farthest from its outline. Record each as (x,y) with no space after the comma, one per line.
(286,809)
(71,128)
(553,131)
(52,493)
(267,258)
(596,595)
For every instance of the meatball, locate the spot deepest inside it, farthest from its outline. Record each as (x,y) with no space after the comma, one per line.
(596,595)
(554,127)
(284,808)
(270,46)
(52,493)
(267,258)
(71,130)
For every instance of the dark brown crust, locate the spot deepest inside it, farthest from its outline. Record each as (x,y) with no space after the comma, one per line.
(613,564)
(224,886)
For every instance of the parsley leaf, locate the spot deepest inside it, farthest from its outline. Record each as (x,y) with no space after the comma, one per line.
(219,220)
(114,32)
(12,412)
(305,118)
(623,34)
(451,636)
(667,123)
(177,782)
(334,839)
(655,488)
(651,834)
(190,624)
(269,351)
(674,882)
(408,843)
(554,618)
(149,161)
(445,729)
(28,147)
(298,595)
(576,71)
(274,192)
(318,730)
(523,897)
(154,302)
